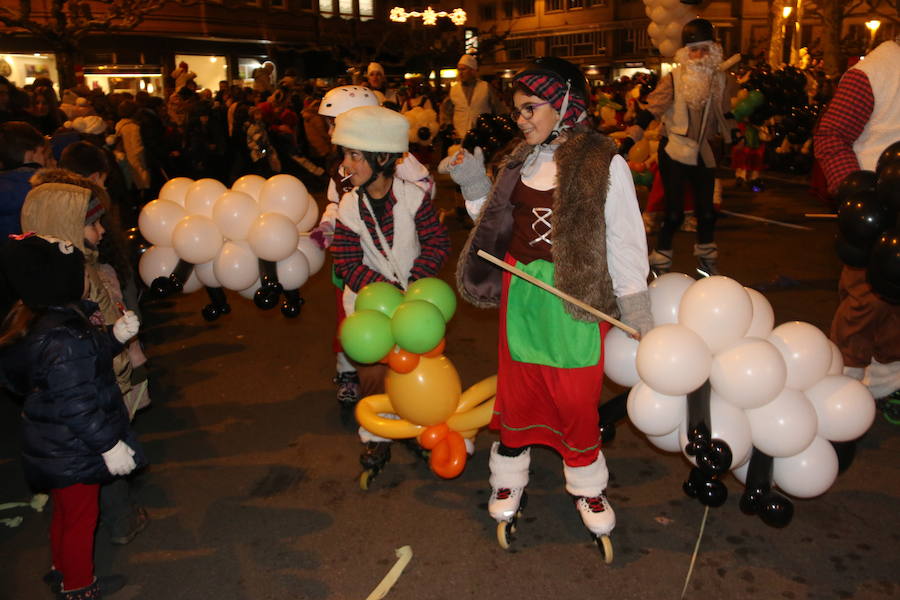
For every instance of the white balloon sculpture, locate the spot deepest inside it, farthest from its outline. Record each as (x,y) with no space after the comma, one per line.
(667,17)
(778,390)
(249,239)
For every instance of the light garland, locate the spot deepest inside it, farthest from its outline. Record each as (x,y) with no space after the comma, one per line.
(429,15)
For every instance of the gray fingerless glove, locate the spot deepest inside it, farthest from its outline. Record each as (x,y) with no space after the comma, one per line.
(469,175)
(635,311)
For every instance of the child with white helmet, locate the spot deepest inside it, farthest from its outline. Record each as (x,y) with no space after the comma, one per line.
(387,228)
(336,102)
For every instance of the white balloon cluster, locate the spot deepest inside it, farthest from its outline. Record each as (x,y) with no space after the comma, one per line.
(224,233)
(778,389)
(667,17)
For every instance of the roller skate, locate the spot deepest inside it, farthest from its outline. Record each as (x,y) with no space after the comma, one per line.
(373,458)
(347,396)
(707,259)
(587,486)
(660,262)
(509,476)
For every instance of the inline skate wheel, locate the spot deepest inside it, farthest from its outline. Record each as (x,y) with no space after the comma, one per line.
(604,544)
(505,531)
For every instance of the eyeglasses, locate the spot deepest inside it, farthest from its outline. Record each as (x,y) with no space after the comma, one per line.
(527,111)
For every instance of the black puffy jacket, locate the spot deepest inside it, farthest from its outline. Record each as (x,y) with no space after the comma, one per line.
(73,409)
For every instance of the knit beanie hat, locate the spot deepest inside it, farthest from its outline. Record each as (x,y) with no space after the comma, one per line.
(94,211)
(41,271)
(559,82)
(468,60)
(372,129)
(93,125)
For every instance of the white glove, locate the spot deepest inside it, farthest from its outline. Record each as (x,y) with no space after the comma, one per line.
(119,459)
(126,326)
(467,170)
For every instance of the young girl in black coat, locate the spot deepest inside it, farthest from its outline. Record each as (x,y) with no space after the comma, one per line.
(75,426)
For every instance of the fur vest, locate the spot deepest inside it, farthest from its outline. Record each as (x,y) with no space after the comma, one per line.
(579,227)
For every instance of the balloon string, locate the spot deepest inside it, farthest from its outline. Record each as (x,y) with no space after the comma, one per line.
(694,555)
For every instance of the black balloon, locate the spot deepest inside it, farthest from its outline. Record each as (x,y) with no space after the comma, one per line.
(888,185)
(851,255)
(716,459)
(712,493)
(845,451)
(857,181)
(889,154)
(883,273)
(266,298)
(695,481)
(776,510)
(751,500)
(862,218)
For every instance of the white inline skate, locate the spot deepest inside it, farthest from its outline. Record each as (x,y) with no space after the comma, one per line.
(509,476)
(587,485)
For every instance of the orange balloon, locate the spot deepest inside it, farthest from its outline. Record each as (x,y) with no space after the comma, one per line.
(640,167)
(437,350)
(448,458)
(427,395)
(432,436)
(402,361)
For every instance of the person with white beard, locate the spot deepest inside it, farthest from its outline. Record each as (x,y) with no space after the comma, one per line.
(693,103)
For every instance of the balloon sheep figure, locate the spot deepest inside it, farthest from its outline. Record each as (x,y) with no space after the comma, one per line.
(714,379)
(424,397)
(251,239)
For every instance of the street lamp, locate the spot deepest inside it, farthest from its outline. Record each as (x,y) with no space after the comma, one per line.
(785,15)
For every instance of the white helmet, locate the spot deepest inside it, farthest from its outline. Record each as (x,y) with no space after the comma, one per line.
(343,98)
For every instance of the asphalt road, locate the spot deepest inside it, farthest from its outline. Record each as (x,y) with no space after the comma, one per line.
(253,490)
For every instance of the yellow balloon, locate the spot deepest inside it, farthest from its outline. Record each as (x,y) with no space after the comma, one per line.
(427,395)
(367,415)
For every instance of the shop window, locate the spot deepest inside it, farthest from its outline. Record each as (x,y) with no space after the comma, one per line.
(553,5)
(326,8)
(366,10)
(576,4)
(487,12)
(520,49)
(508,9)
(524,8)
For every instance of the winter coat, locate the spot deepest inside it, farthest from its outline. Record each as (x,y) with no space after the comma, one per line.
(14,187)
(132,145)
(73,409)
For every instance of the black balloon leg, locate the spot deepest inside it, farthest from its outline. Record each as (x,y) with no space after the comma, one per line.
(218,305)
(292,303)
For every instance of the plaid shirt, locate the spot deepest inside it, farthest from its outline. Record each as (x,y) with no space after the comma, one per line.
(843,122)
(348,253)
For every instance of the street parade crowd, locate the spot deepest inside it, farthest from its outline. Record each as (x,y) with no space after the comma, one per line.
(78,169)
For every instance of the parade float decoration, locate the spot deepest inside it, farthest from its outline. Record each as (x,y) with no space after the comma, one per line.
(715,380)
(252,238)
(423,396)
(667,17)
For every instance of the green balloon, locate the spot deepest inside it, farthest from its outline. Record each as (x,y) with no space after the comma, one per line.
(437,292)
(380,296)
(366,336)
(418,326)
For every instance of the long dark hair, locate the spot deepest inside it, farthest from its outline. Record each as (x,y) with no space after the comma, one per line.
(17,323)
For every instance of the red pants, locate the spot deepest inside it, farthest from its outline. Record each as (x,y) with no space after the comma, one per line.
(550,406)
(75,510)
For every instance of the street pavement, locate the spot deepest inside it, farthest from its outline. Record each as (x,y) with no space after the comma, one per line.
(253,490)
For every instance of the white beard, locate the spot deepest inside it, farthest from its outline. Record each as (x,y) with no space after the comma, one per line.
(697,75)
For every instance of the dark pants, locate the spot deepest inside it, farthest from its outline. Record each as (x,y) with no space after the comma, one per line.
(116,508)
(675,175)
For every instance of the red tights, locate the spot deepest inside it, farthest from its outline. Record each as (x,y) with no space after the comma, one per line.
(75,511)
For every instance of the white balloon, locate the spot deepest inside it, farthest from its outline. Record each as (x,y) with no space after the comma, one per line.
(206,274)
(731,425)
(844,406)
(749,373)
(619,355)
(202,195)
(784,426)
(666,292)
(668,47)
(669,5)
(311,218)
(837,360)
(660,15)
(669,442)
(157,261)
(234,213)
(157,220)
(809,473)
(740,473)
(273,236)
(284,194)
(763,316)
(175,190)
(196,239)
(192,284)
(718,309)
(672,30)
(673,360)
(249,184)
(654,413)
(236,267)
(250,292)
(653,30)
(314,254)
(806,352)
(293,271)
